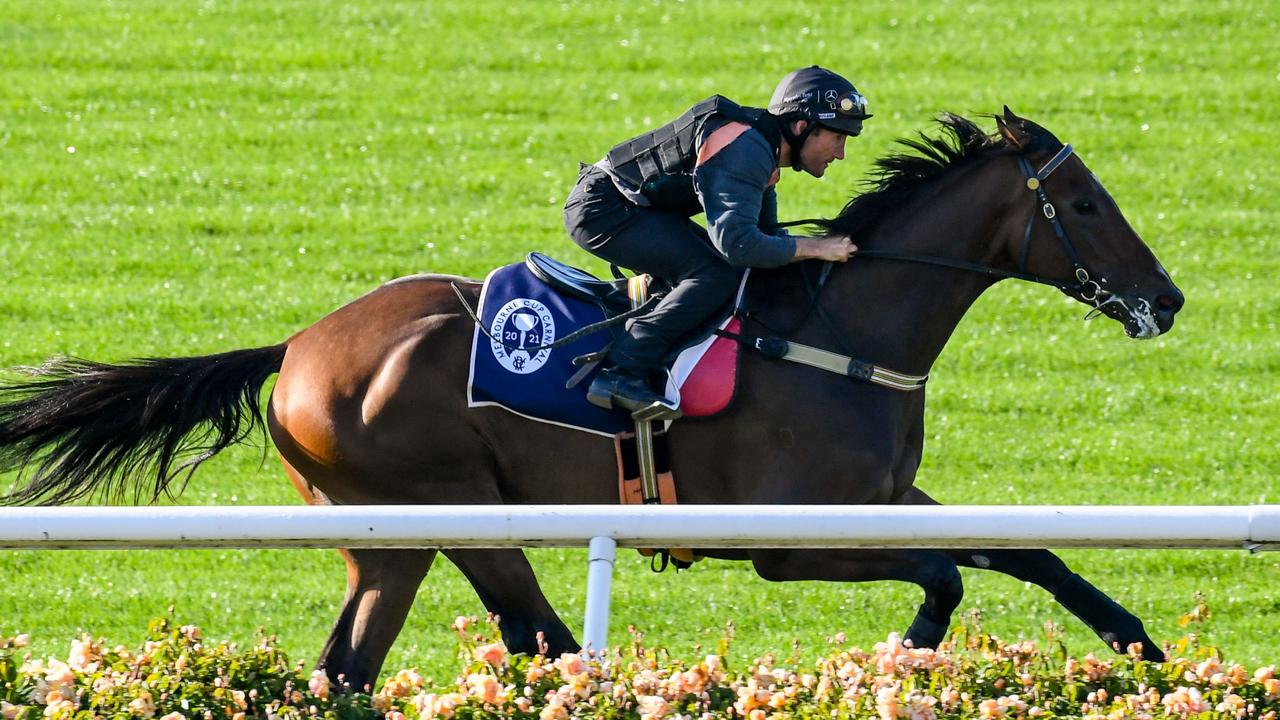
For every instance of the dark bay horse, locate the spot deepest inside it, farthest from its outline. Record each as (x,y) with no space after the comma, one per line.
(370,406)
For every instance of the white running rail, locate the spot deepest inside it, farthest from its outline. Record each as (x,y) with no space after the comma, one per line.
(603,528)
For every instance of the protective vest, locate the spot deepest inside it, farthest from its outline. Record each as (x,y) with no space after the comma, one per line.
(661,163)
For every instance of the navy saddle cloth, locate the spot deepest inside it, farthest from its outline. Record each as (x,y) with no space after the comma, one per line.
(519,315)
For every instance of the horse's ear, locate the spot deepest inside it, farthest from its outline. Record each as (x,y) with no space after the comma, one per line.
(1013,129)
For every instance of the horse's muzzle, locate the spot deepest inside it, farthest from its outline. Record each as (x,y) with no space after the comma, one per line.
(1147,318)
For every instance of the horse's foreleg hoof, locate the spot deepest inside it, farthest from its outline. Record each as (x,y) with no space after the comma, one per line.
(925,633)
(1151,652)
(1117,627)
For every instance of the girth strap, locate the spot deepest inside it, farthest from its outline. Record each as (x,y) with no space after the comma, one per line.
(780,349)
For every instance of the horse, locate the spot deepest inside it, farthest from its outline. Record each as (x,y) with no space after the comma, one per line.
(369,405)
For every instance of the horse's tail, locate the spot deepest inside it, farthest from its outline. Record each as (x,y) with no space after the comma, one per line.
(128,430)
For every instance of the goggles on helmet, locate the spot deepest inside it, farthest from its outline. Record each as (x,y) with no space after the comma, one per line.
(841,111)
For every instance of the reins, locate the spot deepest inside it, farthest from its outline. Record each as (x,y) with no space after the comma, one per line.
(780,348)
(567,339)
(1035,182)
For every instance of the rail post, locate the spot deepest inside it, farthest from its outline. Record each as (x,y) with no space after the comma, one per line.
(595,627)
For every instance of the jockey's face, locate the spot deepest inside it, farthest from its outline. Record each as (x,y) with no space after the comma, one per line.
(820,149)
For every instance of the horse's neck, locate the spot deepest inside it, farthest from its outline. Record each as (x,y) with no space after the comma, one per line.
(901,314)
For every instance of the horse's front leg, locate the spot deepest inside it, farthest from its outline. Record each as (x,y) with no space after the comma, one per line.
(1117,627)
(933,571)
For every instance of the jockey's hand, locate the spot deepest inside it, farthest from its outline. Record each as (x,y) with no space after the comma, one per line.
(832,248)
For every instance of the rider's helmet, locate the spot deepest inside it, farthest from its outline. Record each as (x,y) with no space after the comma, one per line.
(817,94)
(821,97)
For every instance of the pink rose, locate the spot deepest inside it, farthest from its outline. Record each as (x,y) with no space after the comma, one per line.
(1207,669)
(652,707)
(691,682)
(143,706)
(990,709)
(84,655)
(1184,701)
(59,676)
(887,705)
(446,705)
(570,664)
(554,710)
(950,697)
(319,684)
(493,654)
(59,707)
(486,688)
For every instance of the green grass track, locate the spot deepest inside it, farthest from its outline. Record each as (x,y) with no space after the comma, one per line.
(189,177)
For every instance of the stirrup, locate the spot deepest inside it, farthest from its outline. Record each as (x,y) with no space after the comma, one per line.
(663,410)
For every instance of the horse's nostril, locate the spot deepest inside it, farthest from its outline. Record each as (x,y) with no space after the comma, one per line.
(1167,302)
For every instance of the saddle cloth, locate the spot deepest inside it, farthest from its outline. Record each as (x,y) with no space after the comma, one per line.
(519,313)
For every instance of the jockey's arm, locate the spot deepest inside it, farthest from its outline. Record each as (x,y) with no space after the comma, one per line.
(732,186)
(736,194)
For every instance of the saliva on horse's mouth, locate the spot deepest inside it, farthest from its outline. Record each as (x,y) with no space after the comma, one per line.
(1141,325)
(1137,320)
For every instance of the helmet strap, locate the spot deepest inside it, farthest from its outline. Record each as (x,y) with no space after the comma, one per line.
(796,141)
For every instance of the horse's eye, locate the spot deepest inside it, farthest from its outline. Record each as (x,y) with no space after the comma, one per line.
(1084,207)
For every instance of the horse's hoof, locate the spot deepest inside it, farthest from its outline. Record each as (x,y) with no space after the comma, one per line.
(925,633)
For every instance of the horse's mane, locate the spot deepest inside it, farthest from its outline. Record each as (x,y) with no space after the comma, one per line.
(897,177)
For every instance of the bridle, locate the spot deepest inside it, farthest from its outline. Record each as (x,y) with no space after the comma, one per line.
(1085,286)
(1088,288)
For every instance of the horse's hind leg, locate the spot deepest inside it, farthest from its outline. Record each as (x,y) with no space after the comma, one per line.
(1117,627)
(933,571)
(381,585)
(508,588)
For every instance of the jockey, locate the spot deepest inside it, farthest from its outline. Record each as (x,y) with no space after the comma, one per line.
(633,208)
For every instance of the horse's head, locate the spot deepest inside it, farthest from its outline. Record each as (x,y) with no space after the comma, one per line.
(1066,225)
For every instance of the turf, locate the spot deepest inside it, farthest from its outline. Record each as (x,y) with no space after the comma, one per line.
(184,178)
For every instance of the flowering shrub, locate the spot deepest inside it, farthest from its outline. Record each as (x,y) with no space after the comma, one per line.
(175,674)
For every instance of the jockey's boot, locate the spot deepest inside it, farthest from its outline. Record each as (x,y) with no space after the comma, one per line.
(615,387)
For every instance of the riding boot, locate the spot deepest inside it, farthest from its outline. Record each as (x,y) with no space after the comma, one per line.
(620,387)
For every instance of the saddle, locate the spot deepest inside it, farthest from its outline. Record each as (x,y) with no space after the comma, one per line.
(703,370)
(610,295)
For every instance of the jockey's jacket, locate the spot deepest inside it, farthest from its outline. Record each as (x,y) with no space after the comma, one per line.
(718,158)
